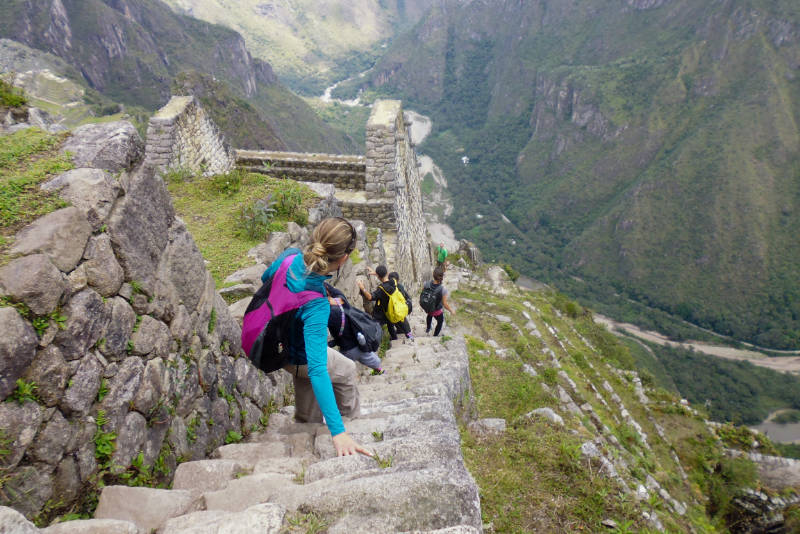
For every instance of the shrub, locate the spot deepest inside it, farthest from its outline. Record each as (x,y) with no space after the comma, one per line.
(10,96)
(254,220)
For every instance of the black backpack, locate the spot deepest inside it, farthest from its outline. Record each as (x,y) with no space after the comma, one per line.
(430,298)
(359,322)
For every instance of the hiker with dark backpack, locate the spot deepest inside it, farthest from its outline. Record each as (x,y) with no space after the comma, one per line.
(433,300)
(387,309)
(403,327)
(356,334)
(285,326)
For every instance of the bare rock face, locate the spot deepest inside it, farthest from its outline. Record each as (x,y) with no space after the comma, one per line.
(92,191)
(34,281)
(50,373)
(61,236)
(17,348)
(87,317)
(139,228)
(103,272)
(114,146)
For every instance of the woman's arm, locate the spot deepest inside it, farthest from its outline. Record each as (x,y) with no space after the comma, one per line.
(446,304)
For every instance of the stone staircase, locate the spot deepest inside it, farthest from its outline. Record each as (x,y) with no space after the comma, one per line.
(288,476)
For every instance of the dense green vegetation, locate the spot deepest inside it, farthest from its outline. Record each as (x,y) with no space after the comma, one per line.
(735,391)
(647,162)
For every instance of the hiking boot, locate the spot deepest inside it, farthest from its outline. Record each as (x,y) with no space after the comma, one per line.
(376,372)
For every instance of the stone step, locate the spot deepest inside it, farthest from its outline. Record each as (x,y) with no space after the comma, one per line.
(147,508)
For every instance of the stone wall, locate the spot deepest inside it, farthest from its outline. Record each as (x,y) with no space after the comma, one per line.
(181,136)
(108,309)
(392,172)
(380,214)
(342,171)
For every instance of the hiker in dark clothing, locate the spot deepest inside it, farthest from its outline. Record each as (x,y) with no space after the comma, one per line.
(381,297)
(403,327)
(441,301)
(343,337)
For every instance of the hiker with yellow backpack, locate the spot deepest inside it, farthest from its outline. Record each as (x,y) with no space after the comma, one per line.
(390,304)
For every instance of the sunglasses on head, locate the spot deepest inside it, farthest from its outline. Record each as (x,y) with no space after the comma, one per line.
(352,245)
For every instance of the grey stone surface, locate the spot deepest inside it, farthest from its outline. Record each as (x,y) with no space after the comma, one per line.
(487,426)
(51,443)
(66,480)
(48,371)
(130,439)
(83,387)
(122,387)
(152,388)
(185,267)
(548,414)
(264,518)
(245,492)
(17,348)
(114,146)
(87,317)
(34,281)
(21,422)
(94,526)
(152,338)
(139,227)
(93,191)
(206,475)
(115,337)
(103,272)
(60,235)
(268,252)
(146,507)
(13,522)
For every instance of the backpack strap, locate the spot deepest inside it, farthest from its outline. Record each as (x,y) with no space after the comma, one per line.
(387,294)
(281,298)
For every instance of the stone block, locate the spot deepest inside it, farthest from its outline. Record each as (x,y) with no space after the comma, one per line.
(206,475)
(245,492)
(148,508)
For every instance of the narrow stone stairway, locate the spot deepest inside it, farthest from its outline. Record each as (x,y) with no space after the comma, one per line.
(288,479)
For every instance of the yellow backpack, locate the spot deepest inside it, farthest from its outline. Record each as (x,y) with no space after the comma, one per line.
(396,308)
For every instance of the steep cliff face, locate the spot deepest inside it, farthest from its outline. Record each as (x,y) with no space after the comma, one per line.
(132,50)
(310,43)
(648,146)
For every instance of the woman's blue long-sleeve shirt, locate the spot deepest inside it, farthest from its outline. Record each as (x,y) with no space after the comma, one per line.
(314,315)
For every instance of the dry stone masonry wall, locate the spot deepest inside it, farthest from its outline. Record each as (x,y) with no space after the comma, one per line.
(392,155)
(108,309)
(182,136)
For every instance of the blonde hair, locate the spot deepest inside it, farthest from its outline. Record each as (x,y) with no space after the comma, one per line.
(332,239)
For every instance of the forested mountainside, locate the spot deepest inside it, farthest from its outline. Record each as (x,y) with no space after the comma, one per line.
(132,50)
(646,153)
(311,43)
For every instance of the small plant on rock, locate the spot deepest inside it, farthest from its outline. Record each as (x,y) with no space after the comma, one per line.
(25,391)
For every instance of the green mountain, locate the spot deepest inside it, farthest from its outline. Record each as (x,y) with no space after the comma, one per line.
(646,153)
(131,51)
(310,43)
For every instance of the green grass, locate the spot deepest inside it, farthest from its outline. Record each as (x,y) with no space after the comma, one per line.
(534,478)
(27,158)
(211,212)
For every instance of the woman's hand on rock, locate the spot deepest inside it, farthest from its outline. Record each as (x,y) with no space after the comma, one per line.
(346,446)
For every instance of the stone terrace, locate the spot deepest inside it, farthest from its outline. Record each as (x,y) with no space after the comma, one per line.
(344,172)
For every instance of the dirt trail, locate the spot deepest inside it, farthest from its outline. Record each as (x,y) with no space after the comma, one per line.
(790,364)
